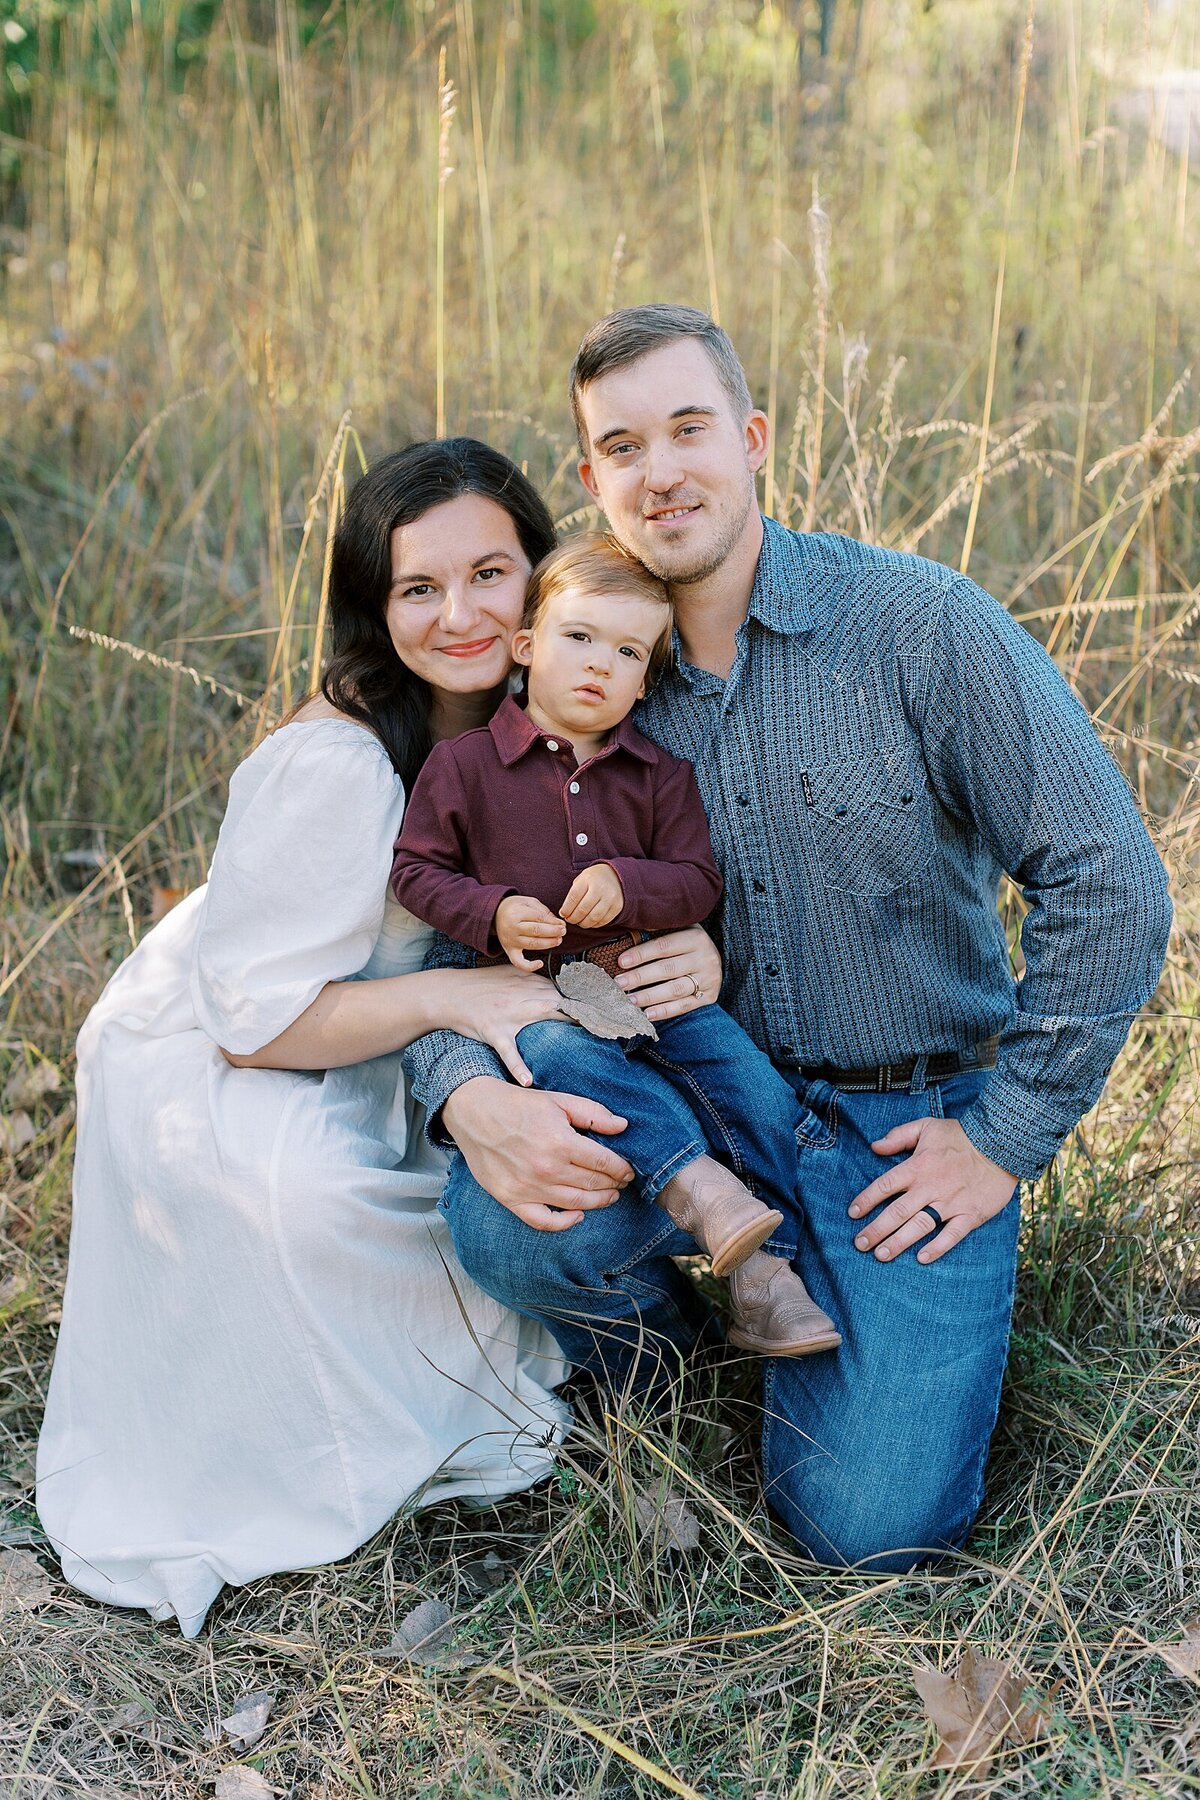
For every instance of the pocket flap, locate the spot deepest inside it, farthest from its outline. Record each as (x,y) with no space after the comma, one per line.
(889,775)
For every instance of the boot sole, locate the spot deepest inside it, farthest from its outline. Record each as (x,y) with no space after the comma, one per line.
(734,1252)
(828,1340)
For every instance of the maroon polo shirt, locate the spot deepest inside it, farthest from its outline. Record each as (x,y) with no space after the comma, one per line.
(507,810)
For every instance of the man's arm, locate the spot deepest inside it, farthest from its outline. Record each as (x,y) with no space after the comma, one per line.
(526,1148)
(440,1062)
(1011,749)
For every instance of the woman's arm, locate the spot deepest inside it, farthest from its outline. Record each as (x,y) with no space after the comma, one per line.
(353,1021)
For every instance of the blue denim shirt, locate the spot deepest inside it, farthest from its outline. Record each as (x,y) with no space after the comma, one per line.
(887,742)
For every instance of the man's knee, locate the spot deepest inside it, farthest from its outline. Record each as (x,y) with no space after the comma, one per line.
(877,1505)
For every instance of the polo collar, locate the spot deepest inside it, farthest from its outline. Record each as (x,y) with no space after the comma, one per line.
(515,734)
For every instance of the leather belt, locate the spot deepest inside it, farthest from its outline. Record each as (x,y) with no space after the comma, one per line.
(887,1078)
(605,955)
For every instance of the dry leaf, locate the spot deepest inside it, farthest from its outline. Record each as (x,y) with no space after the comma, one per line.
(1184,1657)
(139,1720)
(592,998)
(669,1518)
(162,899)
(16,1132)
(246,1723)
(23,1582)
(422,1634)
(975,1709)
(485,1574)
(26,1086)
(237,1782)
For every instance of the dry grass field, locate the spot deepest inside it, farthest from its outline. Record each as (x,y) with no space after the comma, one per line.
(245,245)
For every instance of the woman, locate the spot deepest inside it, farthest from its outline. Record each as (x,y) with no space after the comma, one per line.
(267,1346)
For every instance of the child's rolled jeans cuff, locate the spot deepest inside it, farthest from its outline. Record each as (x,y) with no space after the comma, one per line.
(651,1186)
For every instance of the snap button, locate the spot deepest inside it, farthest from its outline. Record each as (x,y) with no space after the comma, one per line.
(574,788)
(760,887)
(771,969)
(906,799)
(581,837)
(550,744)
(839,812)
(742,799)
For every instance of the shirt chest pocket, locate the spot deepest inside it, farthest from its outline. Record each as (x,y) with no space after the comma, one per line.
(871,819)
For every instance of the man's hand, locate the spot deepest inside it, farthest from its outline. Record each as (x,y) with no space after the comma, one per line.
(945,1171)
(594,898)
(523,923)
(672,974)
(525,1147)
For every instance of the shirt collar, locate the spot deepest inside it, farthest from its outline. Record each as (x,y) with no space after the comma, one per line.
(515,733)
(779,598)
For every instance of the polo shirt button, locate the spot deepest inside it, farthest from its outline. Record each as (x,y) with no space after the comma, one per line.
(581,837)
(574,788)
(550,744)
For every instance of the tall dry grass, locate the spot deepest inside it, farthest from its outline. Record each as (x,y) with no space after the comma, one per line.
(227,282)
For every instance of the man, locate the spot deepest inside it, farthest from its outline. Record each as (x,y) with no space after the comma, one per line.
(875,740)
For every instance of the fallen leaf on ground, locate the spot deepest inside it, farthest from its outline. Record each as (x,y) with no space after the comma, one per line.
(26,1086)
(669,1518)
(139,1720)
(246,1723)
(236,1782)
(421,1635)
(1184,1657)
(23,1582)
(592,998)
(975,1708)
(486,1573)
(17,1131)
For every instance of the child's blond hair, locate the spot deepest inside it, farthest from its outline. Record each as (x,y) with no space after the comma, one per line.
(595,564)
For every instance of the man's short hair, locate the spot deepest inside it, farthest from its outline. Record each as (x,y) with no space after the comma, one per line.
(623,336)
(595,565)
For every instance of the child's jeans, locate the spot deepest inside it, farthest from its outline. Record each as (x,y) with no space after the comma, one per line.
(703,1087)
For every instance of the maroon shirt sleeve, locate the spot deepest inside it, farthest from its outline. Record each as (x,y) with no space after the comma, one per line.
(428,870)
(679,883)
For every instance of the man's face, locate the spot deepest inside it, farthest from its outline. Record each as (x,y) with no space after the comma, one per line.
(670,462)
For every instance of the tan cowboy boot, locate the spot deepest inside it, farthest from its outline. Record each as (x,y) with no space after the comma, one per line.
(774,1313)
(710,1203)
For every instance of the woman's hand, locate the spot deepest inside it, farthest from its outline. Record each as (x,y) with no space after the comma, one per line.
(672,974)
(492,1005)
(946,1172)
(529,1152)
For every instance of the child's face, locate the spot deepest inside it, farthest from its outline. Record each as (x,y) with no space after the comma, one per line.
(588,657)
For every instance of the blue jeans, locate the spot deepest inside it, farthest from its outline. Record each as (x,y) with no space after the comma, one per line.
(703,1087)
(873,1453)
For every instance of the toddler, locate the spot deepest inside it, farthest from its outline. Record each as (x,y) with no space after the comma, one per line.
(558,831)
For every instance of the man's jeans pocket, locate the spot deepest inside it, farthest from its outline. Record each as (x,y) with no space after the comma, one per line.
(817,1127)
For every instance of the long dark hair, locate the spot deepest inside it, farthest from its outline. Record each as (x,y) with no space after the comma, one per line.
(364,677)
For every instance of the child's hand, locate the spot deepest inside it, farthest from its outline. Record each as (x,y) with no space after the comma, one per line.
(523,923)
(596,897)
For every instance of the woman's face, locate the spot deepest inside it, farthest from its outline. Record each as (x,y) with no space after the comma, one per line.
(458,589)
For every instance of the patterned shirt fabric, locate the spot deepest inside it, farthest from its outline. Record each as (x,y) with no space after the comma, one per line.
(507,810)
(887,742)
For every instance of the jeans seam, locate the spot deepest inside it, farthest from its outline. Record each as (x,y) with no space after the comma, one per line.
(728,1139)
(642,1251)
(830,1136)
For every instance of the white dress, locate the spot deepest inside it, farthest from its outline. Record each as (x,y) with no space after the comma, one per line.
(267,1345)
